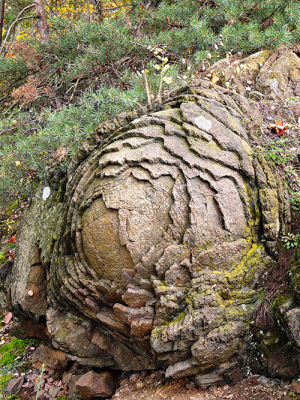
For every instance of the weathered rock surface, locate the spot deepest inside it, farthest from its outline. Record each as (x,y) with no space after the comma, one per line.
(150,251)
(14,386)
(52,360)
(92,385)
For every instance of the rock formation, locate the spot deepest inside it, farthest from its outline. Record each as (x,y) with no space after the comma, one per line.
(151,250)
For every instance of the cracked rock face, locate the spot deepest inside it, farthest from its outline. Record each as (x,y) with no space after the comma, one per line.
(156,250)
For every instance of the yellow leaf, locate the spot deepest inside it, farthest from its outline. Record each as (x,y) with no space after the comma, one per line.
(18,164)
(167,79)
(214,78)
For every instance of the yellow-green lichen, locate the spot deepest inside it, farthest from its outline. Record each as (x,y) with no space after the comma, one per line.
(244,273)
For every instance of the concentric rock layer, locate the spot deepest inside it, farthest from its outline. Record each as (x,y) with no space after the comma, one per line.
(164,232)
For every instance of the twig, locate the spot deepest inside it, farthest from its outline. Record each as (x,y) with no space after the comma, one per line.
(75,87)
(130,41)
(6,130)
(115,71)
(160,86)
(147,88)
(88,10)
(13,24)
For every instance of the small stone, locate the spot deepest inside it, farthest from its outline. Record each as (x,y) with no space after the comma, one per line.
(54,360)
(92,385)
(53,391)
(73,392)
(136,298)
(295,387)
(14,385)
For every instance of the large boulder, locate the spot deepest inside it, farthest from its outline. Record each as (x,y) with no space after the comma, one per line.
(150,250)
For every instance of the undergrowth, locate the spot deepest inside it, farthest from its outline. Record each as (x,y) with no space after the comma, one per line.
(54,94)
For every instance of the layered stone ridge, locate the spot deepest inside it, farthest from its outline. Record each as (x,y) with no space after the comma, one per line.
(160,248)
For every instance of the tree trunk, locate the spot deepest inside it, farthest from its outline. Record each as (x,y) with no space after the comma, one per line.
(98,9)
(1,19)
(152,3)
(44,29)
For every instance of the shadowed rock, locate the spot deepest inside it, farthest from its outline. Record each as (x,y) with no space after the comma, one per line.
(154,243)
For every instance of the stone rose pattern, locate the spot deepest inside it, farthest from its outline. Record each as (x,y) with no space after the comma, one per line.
(160,244)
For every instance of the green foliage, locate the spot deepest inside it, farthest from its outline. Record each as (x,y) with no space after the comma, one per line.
(25,366)
(295,201)
(279,150)
(54,94)
(12,397)
(40,381)
(290,240)
(4,379)
(281,300)
(9,351)
(2,257)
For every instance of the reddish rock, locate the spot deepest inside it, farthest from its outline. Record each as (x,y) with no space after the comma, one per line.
(54,360)
(136,298)
(92,385)
(141,328)
(295,387)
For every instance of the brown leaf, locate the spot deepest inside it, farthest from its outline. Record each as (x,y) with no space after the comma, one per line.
(7,318)
(230,22)
(267,22)
(279,128)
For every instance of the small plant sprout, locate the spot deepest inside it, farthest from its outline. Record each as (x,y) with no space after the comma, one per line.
(39,382)
(295,201)
(162,67)
(290,240)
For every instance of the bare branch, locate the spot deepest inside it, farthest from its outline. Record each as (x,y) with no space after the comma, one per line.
(13,24)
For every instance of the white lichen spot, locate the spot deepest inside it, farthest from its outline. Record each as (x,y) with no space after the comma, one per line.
(135,121)
(203,123)
(46,193)
(274,85)
(30,293)
(256,54)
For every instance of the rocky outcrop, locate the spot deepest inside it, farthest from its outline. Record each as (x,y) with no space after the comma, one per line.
(149,252)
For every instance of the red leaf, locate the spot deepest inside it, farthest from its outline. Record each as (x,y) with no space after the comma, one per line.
(7,318)
(13,239)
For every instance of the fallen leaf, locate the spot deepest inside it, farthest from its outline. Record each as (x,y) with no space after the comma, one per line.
(7,318)
(279,128)
(214,79)
(13,239)
(267,23)
(230,22)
